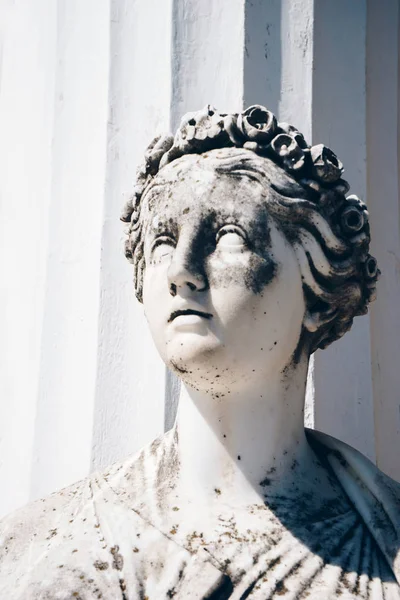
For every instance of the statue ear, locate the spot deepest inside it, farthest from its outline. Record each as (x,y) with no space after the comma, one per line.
(315,318)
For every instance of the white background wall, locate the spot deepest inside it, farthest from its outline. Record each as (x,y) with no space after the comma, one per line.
(84,85)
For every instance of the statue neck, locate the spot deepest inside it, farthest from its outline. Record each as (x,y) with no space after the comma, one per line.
(235,446)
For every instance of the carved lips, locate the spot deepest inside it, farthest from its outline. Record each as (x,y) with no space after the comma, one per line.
(188,311)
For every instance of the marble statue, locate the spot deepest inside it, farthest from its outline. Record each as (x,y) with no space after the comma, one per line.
(248,256)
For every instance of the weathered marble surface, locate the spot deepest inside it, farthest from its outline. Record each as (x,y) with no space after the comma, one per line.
(248,256)
(110,537)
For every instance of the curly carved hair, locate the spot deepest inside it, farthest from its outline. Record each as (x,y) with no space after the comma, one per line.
(306,195)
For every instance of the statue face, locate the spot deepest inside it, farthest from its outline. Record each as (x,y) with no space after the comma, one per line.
(222,288)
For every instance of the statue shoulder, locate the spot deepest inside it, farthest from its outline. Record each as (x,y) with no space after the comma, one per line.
(33,531)
(375,495)
(37,518)
(80,536)
(353,459)
(41,519)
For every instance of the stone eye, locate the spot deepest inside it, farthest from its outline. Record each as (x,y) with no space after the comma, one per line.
(230,236)
(162,249)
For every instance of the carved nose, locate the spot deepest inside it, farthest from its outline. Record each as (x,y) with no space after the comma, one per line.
(184,276)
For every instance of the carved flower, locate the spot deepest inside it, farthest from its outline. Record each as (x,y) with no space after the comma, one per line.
(295,133)
(199,129)
(326,165)
(371,270)
(352,220)
(341,187)
(287,148)
(257,124)
(354,200)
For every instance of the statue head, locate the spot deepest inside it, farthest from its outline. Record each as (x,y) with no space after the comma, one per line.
(246,250)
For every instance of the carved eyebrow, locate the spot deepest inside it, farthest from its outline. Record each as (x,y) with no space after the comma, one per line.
(231,228)
(159,241)
(164,229)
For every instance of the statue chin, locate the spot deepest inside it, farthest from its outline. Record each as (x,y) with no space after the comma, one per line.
(233,227)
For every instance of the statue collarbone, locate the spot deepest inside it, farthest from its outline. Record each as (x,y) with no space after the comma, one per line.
(302,504)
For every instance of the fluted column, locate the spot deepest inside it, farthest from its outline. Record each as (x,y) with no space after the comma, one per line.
(92,82)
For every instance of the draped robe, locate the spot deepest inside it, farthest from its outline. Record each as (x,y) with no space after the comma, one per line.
(104,538)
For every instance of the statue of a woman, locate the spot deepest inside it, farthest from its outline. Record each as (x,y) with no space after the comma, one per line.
(247,257)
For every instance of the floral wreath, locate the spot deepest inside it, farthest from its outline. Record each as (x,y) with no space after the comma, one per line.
(316,168)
